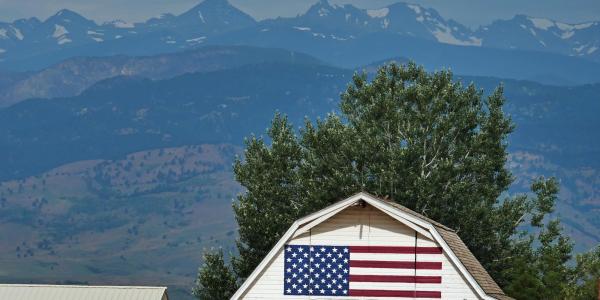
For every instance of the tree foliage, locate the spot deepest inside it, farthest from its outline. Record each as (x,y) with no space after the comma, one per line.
(215,280)
(422,139)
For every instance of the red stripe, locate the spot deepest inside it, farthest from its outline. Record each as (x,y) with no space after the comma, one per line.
(392,249)
(388,293)
(422,265)
(394,278)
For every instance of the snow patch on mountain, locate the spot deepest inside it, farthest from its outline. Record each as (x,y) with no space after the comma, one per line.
(302,28)
(201,17)
(17,33)
(378,13)
(3,33)
(59,31)
(444,34)
(542,23)
(197,40)
(60,34)
(415,8)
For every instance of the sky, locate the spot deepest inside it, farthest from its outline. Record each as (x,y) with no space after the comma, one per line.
(468,12)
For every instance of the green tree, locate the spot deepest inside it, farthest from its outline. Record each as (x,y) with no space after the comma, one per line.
(542,271)
(424,140)
(215,280)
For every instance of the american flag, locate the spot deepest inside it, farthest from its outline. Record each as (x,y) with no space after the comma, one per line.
(365,271)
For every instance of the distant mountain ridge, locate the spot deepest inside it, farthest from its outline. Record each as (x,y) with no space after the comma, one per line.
(72,76)
(27,44)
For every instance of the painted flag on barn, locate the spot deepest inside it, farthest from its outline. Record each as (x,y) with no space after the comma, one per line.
(363,271)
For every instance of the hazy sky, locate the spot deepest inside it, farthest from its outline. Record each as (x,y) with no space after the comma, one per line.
(469,12)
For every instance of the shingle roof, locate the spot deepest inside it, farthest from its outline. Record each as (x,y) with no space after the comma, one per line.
(466,257)
(78,292)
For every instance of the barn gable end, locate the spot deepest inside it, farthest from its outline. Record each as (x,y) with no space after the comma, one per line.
(362,225)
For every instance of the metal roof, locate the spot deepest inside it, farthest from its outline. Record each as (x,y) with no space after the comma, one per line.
(78,292)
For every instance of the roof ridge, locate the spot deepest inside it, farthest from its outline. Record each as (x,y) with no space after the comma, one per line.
(408,210)
(81,286)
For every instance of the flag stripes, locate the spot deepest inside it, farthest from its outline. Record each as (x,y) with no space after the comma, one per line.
(395,264)
(393,249)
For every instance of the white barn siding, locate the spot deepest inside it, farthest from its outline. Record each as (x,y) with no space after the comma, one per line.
(367,226)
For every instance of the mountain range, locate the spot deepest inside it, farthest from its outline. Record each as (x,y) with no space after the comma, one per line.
(399,29)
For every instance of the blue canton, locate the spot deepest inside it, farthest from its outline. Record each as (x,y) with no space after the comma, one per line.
(316,270)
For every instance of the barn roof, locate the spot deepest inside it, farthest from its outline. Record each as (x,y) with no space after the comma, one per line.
(78,292)
(458,252)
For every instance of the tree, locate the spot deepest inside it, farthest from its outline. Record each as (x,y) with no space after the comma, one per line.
(215,280)
(541,272)
(422,139)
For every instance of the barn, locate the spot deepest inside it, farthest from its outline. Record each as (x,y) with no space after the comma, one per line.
(80,292)
(365,247)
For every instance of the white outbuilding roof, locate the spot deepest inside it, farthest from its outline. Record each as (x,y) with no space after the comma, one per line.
(78,292)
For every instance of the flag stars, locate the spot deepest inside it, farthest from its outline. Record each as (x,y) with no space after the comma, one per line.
(316,270)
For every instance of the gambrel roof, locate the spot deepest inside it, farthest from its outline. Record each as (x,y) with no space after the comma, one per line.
(459,254)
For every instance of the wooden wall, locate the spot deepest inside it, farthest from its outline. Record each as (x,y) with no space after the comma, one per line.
(367,226)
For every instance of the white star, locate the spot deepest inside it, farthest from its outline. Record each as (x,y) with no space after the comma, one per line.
(289,270)
(345,250)
(294,255)
(322,249)
(334,249)
(289,249)
(288,291)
